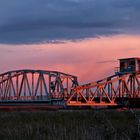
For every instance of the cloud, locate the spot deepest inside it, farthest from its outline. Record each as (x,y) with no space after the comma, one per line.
(107,61)
(39,21)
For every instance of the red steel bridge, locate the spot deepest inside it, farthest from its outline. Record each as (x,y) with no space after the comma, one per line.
(57,88)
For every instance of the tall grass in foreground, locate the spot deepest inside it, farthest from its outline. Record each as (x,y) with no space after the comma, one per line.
(68,125)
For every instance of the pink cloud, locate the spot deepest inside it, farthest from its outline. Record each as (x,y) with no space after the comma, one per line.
(78,58)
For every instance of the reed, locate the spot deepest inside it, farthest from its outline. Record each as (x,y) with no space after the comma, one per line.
(68,125)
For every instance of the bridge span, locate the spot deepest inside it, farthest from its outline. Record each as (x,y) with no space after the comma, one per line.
(57,88)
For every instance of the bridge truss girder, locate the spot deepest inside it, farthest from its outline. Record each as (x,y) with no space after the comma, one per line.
(110,91)
(35,85)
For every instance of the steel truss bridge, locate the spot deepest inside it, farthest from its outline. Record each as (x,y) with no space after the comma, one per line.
(55,88)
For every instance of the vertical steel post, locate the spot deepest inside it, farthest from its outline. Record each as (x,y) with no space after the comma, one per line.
(17,84)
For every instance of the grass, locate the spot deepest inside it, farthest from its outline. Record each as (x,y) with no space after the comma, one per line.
(68,125)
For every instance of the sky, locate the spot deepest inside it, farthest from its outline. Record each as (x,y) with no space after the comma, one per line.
(79,37)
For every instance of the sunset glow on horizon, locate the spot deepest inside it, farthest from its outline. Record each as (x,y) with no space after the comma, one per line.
(89,59)
(80,37)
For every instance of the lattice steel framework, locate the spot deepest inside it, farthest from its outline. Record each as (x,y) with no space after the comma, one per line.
(42,85)
(35,85)
(110,91)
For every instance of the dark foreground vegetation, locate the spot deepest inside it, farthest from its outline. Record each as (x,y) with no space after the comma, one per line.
(69,125)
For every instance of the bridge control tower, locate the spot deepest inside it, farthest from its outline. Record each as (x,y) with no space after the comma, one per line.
(128,65)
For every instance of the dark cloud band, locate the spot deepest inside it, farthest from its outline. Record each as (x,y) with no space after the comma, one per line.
(38,21)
